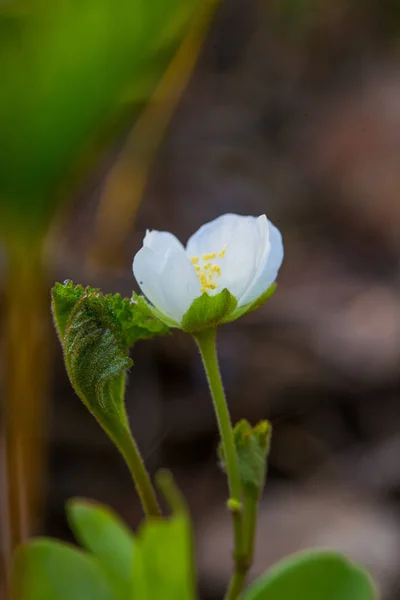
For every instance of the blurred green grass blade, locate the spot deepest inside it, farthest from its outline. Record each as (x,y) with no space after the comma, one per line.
(313,576)
(103,533)
(50,570)
(71,73)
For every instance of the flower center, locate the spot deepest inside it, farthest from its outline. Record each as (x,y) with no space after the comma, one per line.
(207,272)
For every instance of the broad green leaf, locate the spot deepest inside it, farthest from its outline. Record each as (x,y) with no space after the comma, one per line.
(103,533)
(206,312)
(163,565)
(313,576)
(162,568)
(50,570)
(72,73)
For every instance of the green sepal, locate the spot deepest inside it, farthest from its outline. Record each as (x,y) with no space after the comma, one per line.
(252,447)
(207,312)
(248,308)
(152,310)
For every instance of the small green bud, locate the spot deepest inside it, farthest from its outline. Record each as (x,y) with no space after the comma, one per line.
(234,505)
(252,447)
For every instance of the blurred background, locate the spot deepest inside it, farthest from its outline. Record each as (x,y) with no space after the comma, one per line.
(284,107)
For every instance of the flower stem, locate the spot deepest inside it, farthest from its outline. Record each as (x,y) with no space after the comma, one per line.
(250,521)
(141,478)
(206,343)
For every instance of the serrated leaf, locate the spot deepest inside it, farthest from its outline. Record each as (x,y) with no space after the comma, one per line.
(46,569)
(96,332)
(64,298)
(252,447)
(206,312)
(103,533)
(95,363)
(313,576)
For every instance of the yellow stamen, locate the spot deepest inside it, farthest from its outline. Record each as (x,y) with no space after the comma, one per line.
(207,271)
(221,254)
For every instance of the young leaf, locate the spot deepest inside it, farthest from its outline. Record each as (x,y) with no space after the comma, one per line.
(96,332)
(50,570)
(102,533)
(313,576)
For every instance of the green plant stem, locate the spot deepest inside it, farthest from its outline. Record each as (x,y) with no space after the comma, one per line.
(236,584)
(250,522)
(206,343)
(141,478)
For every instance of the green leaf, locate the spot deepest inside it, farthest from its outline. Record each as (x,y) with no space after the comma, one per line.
(96,332)
(131,320)
(206,312)
(50,570)
(252,447)
(88,67)
(313,576)
(252,306)
(163,564)
(103,533)
(64,298)
(163,568)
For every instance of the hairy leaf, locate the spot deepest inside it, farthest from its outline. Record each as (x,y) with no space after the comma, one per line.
(96,332)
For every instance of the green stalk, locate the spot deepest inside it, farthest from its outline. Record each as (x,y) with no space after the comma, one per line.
(141,479)
(206,343)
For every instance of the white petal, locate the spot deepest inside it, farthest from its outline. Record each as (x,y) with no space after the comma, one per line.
(212,236)
(160,241)
(239,265)
(268,269)
(167,279)
(180,284)
(147,267)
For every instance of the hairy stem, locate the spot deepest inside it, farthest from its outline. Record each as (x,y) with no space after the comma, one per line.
(207,346)
(141,478)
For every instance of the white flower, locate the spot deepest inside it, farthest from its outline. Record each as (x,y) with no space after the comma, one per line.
(242,254)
